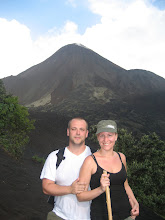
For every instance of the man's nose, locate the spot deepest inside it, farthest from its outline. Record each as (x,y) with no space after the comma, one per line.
(78,131)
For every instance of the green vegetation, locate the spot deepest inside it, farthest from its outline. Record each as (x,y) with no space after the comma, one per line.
(145,164)
(38,159)
(15,124)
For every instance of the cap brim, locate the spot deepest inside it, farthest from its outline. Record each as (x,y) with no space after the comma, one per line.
(106,130)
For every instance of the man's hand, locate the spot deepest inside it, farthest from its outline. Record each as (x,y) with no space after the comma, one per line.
(77,187)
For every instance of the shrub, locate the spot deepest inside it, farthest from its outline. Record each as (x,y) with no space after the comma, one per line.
(15,124)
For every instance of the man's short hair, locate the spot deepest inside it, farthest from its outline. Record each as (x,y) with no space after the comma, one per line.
(78,118)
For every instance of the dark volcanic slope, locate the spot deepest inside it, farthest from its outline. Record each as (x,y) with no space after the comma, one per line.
(68,68)
(76,81)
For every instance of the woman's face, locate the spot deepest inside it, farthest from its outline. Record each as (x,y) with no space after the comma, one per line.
(107,140)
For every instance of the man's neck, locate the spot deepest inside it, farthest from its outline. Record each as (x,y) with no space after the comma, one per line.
(76,149)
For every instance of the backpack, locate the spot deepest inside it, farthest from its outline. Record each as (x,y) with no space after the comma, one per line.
(60,157)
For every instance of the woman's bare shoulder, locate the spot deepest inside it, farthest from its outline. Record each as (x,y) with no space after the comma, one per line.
(123,157)
(88,160)
(87,167)
(89,164)
(121,154)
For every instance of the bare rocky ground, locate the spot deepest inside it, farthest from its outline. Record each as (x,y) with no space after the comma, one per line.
(21,196)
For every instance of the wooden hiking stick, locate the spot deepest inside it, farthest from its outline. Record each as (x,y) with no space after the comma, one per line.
(108,199)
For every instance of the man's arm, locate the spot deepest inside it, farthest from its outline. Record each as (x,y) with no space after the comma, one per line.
(50,188)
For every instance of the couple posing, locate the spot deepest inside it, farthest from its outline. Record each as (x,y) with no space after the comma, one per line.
(79,184)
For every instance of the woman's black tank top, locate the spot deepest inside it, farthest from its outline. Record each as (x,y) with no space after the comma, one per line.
(119,200)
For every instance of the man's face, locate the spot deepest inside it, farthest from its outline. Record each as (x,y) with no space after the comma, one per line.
(77,132)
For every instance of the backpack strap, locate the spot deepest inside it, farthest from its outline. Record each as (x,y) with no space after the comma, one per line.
(60,156)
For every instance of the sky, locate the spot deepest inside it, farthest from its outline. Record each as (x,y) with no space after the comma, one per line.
(129,33)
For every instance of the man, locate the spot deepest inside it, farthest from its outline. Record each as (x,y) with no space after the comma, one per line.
(63,183)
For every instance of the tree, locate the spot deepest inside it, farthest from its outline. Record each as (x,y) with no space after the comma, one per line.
(2,91)
(147,172)
(15,124)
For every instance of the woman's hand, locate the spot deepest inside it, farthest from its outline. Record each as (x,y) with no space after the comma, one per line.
(104,181)
(135,208)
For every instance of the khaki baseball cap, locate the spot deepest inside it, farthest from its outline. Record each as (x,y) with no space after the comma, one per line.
(106,126)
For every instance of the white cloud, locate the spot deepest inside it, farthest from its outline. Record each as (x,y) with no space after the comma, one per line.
(18,51)
(16,45)
(48,44)
(131,34)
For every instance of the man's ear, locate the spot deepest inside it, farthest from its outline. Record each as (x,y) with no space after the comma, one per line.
(67,131)
(87,133)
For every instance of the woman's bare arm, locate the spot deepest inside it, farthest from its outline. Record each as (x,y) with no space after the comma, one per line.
(88,168)
(134,203)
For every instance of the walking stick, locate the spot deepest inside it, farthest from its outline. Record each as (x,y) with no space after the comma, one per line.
(108,199)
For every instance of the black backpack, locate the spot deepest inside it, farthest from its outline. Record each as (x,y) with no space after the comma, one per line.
(60,157)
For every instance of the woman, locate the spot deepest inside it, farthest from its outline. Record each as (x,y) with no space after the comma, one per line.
(124,203)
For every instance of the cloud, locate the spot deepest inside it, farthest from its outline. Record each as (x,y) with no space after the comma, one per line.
(15,44)
(130,33)
(54,39)
(19,52)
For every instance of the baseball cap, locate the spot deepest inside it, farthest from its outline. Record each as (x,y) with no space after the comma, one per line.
(106,126)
